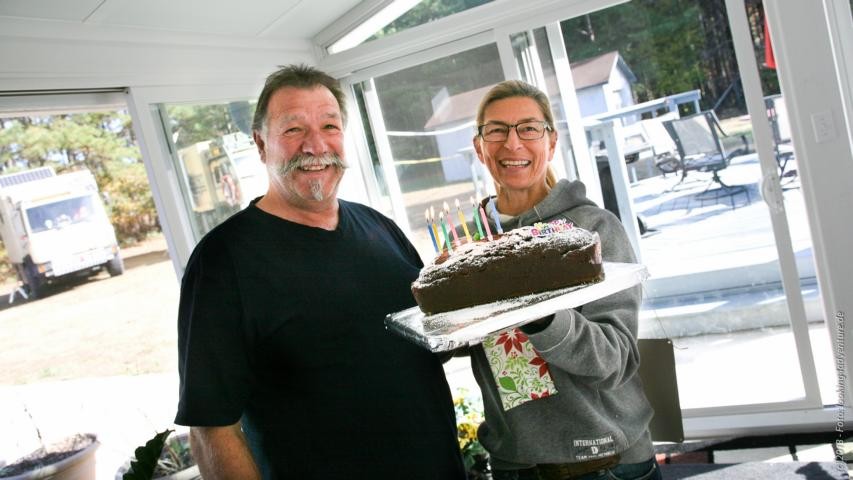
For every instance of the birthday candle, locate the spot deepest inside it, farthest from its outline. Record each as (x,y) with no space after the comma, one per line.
(463,222)
(444,229)
(486,224)
(429,229)
(496,216)
(477,218)
(452,226)
(438,238)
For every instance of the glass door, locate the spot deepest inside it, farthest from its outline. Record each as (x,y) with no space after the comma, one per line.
(671,144)
(219,169)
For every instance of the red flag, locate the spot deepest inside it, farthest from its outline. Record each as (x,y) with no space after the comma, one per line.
(769,58)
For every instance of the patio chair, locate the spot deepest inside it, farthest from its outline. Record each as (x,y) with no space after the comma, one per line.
(699,148)
(663,148)
(777,114)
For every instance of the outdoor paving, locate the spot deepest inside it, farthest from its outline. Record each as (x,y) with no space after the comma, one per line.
(700,235)
(721,252)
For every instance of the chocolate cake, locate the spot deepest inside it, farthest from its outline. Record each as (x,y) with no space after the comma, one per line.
(523,261)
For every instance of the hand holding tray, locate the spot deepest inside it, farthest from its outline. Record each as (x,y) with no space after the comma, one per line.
(469,326)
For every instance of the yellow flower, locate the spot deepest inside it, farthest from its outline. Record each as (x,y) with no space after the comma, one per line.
(469,416)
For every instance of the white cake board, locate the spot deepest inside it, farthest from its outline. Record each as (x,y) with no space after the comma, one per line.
(469,326)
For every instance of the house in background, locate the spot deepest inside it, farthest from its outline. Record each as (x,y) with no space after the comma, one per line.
(453,120)
(603,84)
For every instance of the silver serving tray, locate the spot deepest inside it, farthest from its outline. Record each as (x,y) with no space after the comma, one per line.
(469,326)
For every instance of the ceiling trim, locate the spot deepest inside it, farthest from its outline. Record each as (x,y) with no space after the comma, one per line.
(349,21)
(494,16)
(15,27)
(64,91)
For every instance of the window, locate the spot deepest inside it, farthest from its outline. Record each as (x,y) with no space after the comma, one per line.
(221,170)
(427,114)
(60,214)
(399,15)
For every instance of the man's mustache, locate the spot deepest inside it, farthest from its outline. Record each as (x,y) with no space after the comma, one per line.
(301,160)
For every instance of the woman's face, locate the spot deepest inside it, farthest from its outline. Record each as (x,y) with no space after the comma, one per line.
(516,164)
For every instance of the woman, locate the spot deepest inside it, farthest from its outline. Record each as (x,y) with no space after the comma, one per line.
(564,399)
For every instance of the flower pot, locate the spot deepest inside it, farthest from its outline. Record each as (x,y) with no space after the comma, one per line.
(179,446)
(79,465)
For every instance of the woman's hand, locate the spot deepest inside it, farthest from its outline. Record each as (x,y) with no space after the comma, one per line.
(537,326)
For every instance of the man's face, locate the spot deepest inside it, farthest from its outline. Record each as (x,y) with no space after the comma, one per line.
(302,146)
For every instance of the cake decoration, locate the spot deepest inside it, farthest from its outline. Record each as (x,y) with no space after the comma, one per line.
(444,230)
(441,227)
(431,230)
(463,222)
(495,215)
(477,219)
(541,229)
(486,223)
(451,225)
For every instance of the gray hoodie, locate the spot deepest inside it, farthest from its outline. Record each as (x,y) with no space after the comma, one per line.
(600,408)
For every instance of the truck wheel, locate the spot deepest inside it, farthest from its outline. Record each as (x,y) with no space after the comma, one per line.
(115,266)
(33,281)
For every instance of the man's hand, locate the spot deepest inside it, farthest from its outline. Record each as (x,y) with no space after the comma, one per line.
(222,453)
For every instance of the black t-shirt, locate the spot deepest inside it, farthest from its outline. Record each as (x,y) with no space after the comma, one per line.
(284,323)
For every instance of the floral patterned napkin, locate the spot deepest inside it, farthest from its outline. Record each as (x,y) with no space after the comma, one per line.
(520,373)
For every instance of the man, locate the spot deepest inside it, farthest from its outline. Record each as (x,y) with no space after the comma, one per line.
(281,320)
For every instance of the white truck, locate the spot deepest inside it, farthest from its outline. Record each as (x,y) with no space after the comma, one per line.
(55,225)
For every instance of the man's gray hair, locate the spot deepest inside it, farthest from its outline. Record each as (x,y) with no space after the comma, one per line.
(296,76)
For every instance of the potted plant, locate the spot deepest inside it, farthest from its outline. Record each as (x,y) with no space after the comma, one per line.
(468,418)
(70,458)
(161,458)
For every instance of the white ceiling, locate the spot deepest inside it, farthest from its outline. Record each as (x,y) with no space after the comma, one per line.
(261,19)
